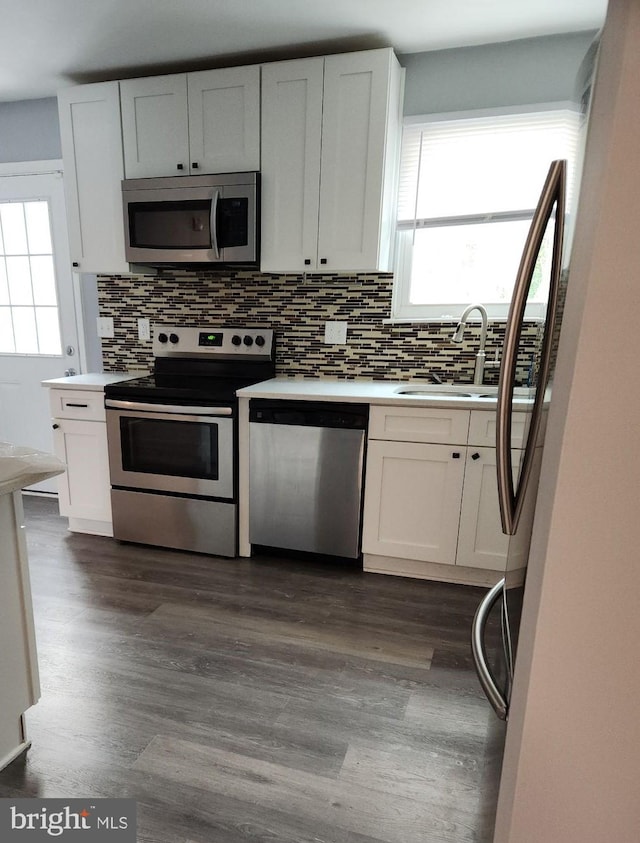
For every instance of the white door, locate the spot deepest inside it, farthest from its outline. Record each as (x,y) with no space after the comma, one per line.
(38,330)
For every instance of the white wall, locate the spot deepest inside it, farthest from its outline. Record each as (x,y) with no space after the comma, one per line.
(520,72)
(29,130)
(572,761)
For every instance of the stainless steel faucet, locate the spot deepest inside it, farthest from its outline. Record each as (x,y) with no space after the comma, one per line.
(459,333)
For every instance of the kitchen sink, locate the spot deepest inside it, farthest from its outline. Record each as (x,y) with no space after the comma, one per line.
(428,392)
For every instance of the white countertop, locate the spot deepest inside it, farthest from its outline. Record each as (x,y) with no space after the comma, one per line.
(92,381)
(462,396)
(22,466)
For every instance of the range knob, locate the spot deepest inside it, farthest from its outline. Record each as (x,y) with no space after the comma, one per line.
(173,338)
(236,340)
(162,337)
(260,340)
(248,340)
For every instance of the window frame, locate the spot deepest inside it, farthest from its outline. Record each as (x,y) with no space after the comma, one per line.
(402,310)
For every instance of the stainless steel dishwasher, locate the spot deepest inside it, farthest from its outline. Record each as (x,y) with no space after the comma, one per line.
(305,476)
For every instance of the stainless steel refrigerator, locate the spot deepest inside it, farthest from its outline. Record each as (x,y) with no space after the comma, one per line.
(497,620)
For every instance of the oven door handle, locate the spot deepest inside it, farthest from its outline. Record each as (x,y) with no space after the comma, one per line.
(176,409)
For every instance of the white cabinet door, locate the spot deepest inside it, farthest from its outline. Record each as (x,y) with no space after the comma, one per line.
(412,500)
(91,137)
(481,544)
(359,150)
(154,126)
(330,144)
(291,141)
(224,120)
(84,491)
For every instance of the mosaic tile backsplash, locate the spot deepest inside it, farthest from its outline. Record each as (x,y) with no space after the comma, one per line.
(296,307)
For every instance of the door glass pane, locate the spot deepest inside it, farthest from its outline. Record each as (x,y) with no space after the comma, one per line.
(48,330)
(4,287)
(19,275)
(14,232)
(38,230)
(27,280)
(6,331)
(43,280)
(26,335)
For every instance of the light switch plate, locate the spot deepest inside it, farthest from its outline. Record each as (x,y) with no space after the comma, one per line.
(144,329)
(335,333)
(105,327)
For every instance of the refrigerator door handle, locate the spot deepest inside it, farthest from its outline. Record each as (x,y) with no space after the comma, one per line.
(487,680)
(511,499)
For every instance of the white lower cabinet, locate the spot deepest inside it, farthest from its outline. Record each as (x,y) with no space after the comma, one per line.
(431,508)
(412,501)
(80,440)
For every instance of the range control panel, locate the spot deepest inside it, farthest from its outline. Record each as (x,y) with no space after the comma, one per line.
(175,341)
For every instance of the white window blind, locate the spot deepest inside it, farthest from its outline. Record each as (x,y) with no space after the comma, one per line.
(483,165)
(467,191)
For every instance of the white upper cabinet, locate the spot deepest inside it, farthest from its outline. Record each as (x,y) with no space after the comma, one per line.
(191,123)
(330,144)
(360,143)
(224,120)
(92,152)
(291,143)
(154,126)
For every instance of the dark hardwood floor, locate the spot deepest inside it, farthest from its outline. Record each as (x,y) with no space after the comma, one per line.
(252,700)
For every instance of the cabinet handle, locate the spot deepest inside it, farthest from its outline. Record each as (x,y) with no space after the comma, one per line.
(456,455)
(55,426)
(75,263)
(194,166)
(69,404)
(323,260)
(307,261)
(180,166)
(475,456)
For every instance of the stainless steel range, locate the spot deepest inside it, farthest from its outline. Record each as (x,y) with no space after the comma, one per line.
(172,436)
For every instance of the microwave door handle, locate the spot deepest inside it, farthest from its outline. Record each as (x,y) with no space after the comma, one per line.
(213,223)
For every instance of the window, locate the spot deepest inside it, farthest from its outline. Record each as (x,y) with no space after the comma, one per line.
(29,321)
(468,189)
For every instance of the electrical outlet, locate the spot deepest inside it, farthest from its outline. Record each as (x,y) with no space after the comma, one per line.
(144,329)
(335,333)
(105,327)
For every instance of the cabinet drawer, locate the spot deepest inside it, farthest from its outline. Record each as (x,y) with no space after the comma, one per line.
(417,424)
(77,404)
(482,428)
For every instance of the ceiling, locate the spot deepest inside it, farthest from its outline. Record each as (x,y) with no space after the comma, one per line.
(49,44)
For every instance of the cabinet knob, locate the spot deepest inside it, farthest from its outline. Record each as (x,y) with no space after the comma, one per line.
(475,456)
(55,426)
(75,263)
(180,166)
(307,261)
(194,166)
(456,455)
(323,260)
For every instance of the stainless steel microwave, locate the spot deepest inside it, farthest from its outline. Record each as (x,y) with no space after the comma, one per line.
(181,220)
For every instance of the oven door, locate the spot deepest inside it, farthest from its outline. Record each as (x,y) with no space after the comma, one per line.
(166,448)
